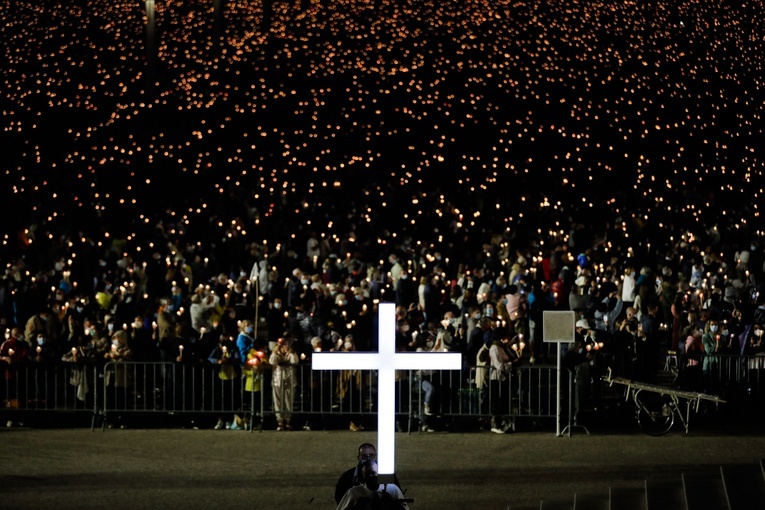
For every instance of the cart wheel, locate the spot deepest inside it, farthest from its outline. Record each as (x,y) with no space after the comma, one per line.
(655,413)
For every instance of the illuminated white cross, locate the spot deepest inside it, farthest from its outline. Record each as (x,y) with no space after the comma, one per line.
(386,361)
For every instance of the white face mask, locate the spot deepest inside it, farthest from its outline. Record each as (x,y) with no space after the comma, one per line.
(348,346)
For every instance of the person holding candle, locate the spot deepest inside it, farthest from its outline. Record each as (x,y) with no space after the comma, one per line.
(43,357)
(692,378)
(226,356)
(284,358)
(245,339)
(516,304)
(276,321)
(648,343)
(712,343)
(79,355)
(119,376)
(14,353)
(502,360)
(201,309)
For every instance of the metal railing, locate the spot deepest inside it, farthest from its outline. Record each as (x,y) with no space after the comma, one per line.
(117,389)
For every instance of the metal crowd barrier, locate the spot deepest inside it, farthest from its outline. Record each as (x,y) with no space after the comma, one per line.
(178,389)
(66,387)
(117,389)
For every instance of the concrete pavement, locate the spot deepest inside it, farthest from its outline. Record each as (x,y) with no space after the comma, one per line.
(76,468)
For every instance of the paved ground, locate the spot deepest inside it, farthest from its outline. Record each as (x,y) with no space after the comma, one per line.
(76,468)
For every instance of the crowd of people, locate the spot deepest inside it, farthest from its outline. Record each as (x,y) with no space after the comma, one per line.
(702,301)
(476,166)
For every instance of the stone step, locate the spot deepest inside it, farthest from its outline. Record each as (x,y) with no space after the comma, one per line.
(556,505)
(627,498)
(664,493)
(729,487)
(591,501)
(744,485)
(704,490)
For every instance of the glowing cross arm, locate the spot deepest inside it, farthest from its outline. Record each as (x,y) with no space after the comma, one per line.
(429,361)
(378,361)
(345,361)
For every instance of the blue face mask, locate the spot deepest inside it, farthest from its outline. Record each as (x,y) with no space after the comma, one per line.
(249,329)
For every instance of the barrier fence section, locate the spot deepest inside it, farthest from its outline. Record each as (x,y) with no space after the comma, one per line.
(65,387)
(323,399)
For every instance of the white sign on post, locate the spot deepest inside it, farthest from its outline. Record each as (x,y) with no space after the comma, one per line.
(558,327)
(386,361)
